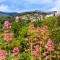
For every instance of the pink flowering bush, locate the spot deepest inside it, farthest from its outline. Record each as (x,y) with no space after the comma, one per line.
(25,41)
(3,55)
(7,35)
(50,45)
(36,50)
(6,25)
(46,48)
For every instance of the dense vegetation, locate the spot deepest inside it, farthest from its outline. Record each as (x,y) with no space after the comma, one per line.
(26,40)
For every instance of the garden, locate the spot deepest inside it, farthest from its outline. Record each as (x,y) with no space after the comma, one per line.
(26,40)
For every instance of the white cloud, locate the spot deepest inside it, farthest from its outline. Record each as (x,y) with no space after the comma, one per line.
(51,5)
(54,9)
(4,8)
(25,10)
(56,6)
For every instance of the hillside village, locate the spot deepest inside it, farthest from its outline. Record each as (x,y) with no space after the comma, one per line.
(33,15)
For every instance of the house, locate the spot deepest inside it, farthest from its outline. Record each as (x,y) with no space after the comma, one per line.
(58,13)
(53,13)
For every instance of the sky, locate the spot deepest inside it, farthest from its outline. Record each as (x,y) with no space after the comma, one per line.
(29,5)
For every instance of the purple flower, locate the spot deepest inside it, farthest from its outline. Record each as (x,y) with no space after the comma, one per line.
(15,50)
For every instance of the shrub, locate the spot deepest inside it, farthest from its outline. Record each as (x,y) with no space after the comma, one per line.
(54,28)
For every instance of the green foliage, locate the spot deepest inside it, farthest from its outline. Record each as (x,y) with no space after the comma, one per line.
(15,29)
(58,20)
(23,31)
(25,56)
(54,28)
(51,22)
(23,22)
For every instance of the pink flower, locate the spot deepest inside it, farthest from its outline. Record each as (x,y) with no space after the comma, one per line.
(46,47)
(37,46)
(7,36)
(50,48)
(3,54)
(15,50)
(36,50)
(45,27)
(49,45)
(44,54)
(49,41)
(35,53)
(6,25)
